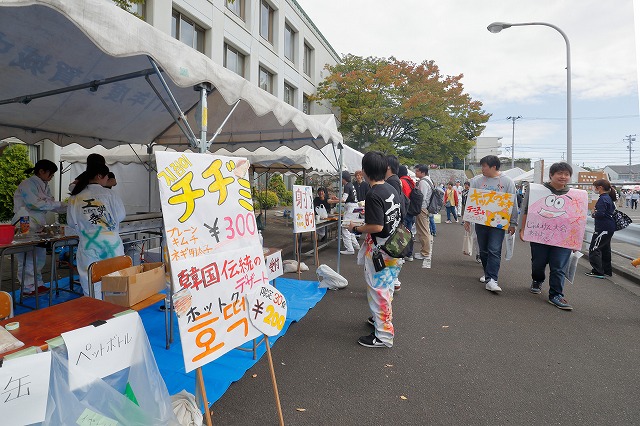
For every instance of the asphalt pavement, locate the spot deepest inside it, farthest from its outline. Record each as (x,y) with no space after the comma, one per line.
(461,354)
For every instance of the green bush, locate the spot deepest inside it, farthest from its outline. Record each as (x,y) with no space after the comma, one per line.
(13,162)
(265,200)
(286,199)
(276,184)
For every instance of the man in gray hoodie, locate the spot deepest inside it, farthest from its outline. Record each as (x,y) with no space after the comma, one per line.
(489,238)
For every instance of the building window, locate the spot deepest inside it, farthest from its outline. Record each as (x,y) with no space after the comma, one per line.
(289,42)
(306,104)
(289,94)
(237,7)
(185,30)
(233,60)
(306,62)
(266,21)
(265,80)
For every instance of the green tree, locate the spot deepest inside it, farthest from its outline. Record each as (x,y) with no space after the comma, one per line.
(13,163)
(128,5)
(400,107)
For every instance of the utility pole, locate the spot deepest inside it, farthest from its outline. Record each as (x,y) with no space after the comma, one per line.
(513,133)
(630,139)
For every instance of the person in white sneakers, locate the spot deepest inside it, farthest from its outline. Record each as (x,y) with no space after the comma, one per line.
(489,238)
(458,187)
(426,186)
(350,202)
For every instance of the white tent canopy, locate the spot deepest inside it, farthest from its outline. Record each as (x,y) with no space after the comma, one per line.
(308,158)
(83,71)
(512,173)
(528,176)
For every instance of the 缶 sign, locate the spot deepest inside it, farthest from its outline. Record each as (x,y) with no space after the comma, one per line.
(556,220)
(24,389)
(304,219)
(213,248)
(489,208)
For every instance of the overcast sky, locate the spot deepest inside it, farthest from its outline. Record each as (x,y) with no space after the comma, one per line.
(517,72)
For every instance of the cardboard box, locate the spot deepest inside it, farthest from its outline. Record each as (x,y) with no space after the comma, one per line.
(132,285)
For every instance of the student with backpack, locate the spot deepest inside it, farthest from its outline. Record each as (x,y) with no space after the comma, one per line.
(413,199)
(426,186)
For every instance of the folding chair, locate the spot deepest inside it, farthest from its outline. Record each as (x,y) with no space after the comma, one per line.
(104,267)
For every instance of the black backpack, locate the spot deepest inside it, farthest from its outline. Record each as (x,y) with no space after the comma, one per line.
(413,202)
(437,199)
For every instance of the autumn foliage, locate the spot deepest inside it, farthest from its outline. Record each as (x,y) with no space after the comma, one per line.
(402,107)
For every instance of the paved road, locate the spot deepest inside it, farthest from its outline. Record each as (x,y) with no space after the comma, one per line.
(462,355)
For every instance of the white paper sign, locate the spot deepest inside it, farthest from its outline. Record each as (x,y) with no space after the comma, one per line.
(489,208)
(24,389)
(214,251)
(96,352)
(274,265)
(304,218)
(268,309)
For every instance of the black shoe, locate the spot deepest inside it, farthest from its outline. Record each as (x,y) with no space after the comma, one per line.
(371,341)
(594,275)
(536,287)
(370,321)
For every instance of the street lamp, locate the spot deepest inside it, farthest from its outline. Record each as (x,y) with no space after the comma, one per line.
(513,134)
(496,27)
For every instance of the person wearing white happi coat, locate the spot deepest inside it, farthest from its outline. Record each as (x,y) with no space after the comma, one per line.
(95,213)
(34,195)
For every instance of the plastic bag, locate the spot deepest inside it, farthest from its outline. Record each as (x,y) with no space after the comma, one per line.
(291,265)
(511,242)
(572,265)
(467,244)
(437,218)
(186,409)
(330,279)
(321,211)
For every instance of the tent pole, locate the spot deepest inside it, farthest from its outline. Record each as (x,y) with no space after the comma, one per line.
(190,135)
(202,115)
(150,172)
(341,204)
(224,122)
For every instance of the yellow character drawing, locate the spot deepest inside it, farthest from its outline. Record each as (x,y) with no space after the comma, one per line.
(499,219)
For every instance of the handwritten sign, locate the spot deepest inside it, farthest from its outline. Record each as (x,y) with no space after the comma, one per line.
(24,389)
(91,418)
(304,218)
(490,208)
(96,352)
(268,310)
(214,251)
(556,220)
(274,265)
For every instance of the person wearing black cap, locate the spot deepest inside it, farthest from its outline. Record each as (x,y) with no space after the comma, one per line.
(350,203)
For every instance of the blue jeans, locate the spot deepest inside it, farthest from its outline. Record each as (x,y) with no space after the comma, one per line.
(557,258)
(451,210)
(490,246)
(408,222)
(432,225)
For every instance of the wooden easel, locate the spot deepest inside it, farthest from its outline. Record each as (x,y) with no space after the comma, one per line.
(201,394)
(298,249)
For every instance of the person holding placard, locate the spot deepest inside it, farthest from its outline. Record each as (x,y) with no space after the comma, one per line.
(95,212)
(381,218)
(604,227)
(490,238)
(557,209)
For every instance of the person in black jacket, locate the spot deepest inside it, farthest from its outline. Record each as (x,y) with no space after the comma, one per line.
(361,185)
(605,226)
